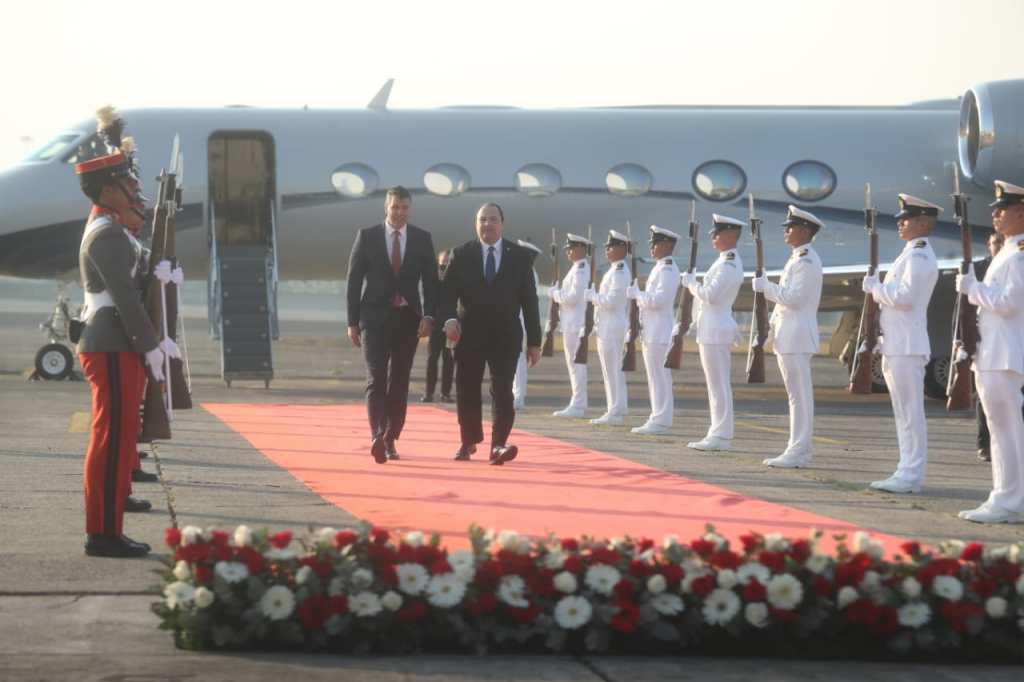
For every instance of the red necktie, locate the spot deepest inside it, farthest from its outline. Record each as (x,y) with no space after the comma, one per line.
(396,265)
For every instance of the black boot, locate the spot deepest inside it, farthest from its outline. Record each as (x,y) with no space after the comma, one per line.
(133,505)
(118,547)
(140,476)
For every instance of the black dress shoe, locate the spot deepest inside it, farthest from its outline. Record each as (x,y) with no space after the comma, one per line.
(427,398)
(389,448)
(379,450)
(464,452)
(140,476)
(984,455)
(118,547)
(503,453)
(136,543)
(133,505)
(447,398)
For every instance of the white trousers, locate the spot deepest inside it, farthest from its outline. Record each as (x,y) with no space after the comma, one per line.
(716,359)
(611,351)
(659,383)
(796,375)
(519,382)
(1001,397)
(904,376)
(577,373)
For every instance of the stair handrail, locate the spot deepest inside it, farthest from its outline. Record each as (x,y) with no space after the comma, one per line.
(272,274)
(213,283)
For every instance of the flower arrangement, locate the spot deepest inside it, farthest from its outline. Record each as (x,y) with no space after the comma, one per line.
(369,591)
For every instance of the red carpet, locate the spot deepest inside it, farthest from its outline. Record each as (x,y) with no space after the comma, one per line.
(554,486)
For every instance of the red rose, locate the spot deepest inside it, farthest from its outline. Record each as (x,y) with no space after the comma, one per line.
(751,542)
(204,574)
(645,544)
(313,611)
(626,618)
(639,569)
(984,586)
(957,613)
(972,552)
(488,573)
(387,575)
(849,574)
(703,586)
(321,568)
(884,621)
(673,573)
(407,554)
(526,615)
(822,587)
(338,604)
(195,553)
(440,566)
(623,589)
(219,538)
(702,547)
(784,615)
(754,591)
(344,538)
(487,602)
(380,536)
(911,548)
(251,558)
(411,612)
(725,559)
(281,540)
(172,536)
(800,550)
(861,611)
(570,545)
(573,563)
(605,555)
(775,561)
(542,583)
(1004,571)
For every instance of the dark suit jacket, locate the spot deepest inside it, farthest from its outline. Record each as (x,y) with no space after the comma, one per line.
(490,314)
(370,262)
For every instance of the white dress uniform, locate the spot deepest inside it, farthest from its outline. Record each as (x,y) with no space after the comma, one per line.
(571,298)
(611,322)
(794,328)
(999,369)
(716,332)
(657,320)
(522,369)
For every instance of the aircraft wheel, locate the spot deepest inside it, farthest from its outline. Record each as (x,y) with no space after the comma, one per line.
(936,378)
(54,361)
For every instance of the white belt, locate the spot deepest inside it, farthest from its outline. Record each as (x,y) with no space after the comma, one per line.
(95,301)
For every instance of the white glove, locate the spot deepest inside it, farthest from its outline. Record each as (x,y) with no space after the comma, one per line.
(555,294)
(170,348)
(687,279)
(759,283)
(869,284)
(155,362)
(965,283)
(632,290)
(165,274)
(590,295)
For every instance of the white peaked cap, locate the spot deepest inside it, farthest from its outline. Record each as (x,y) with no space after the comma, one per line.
(655,230)
(576,239)
(727,221)
(615,234)
(912,206)
(798,216)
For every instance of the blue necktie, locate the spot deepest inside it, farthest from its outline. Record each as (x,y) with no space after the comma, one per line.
(490,269)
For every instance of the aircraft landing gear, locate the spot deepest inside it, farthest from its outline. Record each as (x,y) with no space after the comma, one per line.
(54,360)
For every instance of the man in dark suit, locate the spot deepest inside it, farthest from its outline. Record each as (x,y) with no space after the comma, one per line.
(492,279)
(386,317)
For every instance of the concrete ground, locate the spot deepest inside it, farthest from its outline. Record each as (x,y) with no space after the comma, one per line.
(66,616)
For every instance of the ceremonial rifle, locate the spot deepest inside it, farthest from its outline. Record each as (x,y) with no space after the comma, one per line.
(629,358)
(549,333)
(965,318)
(161,302)
(759,318)
(867,333)
(588,321)
(675,354)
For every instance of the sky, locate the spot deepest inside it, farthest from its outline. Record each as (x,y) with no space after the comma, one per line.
(63,59)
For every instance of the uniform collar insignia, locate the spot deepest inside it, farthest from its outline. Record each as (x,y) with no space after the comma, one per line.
(920,244)
(730,255)
(802,253)
(1020,245)
(620,265)
(667,261)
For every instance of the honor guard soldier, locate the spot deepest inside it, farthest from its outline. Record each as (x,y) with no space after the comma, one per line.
(716,329)
(570,295)
(522,369)
(611,320)
(794,327)
(903,302)
(116,338)
(657,319)
(999,362)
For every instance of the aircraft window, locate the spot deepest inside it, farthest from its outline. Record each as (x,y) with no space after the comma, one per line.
(538,180)
(809,180)
(628,180)
(355,180)
(446,180)
(719,180)
(53,147)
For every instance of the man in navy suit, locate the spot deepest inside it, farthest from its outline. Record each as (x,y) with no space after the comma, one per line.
(386,317)
(492,279)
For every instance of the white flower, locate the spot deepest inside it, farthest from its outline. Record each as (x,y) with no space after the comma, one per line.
(995,607)
(914,614)
(656,584)
(364,604)
(361,579)
(602,578)
(391,600)
(668,604)
(617,544)
(863,542)
(756,614)
(871,581)
(554,560)
(231,571)
(445,590)
(333,625)
(670,541)
(775,542)
(462,563)
(910,587)
(277,603)
(243,536)
(566,582)
(727,579)
(412,578)
(190,535)
(336,587)
(817,563)
(303,575)
(1013,555)
(753,571)
(721,607)
(948,587)
(511,590)
(275,554)
(182,571)
(785,592)
(572,612)
(326,534)
(847,595)
(413,538)
(513,542)
(179,594)
(716,539)
(203,597)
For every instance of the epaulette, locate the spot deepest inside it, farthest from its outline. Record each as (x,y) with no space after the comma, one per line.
(1020,245)
(730,256)
(802,253)
(620,265)
(919,244)
(668,261)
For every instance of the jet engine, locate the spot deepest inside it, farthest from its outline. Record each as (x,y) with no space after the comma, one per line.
(991,136)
